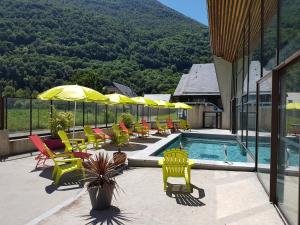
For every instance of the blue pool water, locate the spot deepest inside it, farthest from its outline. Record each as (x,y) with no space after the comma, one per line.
(209,149)
(213,149)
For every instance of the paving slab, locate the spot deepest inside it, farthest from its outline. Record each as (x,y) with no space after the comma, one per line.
(219,197)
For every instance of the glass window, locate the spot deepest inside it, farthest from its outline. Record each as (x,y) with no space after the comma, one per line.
(289,137)
(289,28)
(270,36)
(254,71)
(264,130)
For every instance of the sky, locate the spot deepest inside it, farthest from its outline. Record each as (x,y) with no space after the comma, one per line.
(195,9)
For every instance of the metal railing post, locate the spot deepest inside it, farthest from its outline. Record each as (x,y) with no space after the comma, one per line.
(106,115)
(30,116)
(96,114)
(2,111)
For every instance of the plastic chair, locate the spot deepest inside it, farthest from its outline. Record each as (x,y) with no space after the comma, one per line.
(141,130)
(92,137)
(62,165)
(120,137)
(44,155)
(160,128)
(176,164)
(102,134)
(183,124)
(72,144)
(124,128)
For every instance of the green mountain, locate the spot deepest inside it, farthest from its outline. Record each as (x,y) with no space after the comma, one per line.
(140,43)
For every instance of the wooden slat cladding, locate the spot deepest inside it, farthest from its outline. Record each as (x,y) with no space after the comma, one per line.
(226,20)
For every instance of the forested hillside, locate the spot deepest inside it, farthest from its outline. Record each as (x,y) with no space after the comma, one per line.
(140,43)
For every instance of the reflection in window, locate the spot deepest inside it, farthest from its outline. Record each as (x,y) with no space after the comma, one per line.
(288,157)
(289,28)
(264,131)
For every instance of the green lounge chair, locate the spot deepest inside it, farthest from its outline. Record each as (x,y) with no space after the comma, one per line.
(92,138)
(176,164)
(72,144)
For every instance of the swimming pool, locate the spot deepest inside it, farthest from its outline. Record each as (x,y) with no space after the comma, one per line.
(212,148)
(209,148)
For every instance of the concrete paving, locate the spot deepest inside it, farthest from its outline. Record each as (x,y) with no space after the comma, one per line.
(219,197)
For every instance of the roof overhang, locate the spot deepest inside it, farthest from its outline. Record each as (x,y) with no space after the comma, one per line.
(226,21)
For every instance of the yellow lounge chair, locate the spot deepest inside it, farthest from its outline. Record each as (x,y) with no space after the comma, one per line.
(63,165)
(160,128)
(176,164)
(183,124)
(92,137)
(120,137)
(72,144)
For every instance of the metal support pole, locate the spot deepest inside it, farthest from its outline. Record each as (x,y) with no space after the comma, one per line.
(96,114)
(106,115)
(137,113)
(83,113)
(2,111)
(30,116)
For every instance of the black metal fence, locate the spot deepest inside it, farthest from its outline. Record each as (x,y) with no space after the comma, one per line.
(212,120)
(23,117)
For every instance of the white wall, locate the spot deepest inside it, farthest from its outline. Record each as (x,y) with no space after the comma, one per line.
(224,76)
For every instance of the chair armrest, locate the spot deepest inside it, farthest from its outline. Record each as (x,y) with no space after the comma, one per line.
(161,161)
(191,162)
(77,140)
(64,155)
(69,160)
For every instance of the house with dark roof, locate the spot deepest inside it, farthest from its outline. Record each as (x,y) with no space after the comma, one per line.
(121,89)
(199,86)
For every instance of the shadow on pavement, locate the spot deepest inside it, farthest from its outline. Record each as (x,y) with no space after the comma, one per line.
(186,198)
(110,216)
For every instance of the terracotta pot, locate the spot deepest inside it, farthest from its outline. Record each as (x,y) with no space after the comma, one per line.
(101,197)
(120,157)
(54,144)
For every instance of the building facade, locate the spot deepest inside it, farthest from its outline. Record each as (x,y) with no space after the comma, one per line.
(256,48)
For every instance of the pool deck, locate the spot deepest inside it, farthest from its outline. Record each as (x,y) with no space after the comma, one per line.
(218,197)
(29,195)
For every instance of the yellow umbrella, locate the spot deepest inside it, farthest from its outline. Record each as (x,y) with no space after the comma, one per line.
(180,105)
(74,93)
(119,99)
(293,106)
(163,104)
(144,101)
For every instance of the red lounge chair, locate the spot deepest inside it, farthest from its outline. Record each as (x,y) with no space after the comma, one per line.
(171,125)
(101,133)
(145,124)
(43,156)
(124,128)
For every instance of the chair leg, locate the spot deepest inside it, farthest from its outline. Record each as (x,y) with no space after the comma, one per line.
(54,172)
(165,178)
(58,176)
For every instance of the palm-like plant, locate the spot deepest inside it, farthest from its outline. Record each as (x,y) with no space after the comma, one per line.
(101,180)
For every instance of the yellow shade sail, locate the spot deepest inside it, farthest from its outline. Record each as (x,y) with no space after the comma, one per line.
(72,93)
(144,101)
(119,99)
(181,105)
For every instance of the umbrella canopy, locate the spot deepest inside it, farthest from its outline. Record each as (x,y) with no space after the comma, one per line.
(164,104)
(293,106)
(180,105)
(144,101)
(119,99)
(72,93)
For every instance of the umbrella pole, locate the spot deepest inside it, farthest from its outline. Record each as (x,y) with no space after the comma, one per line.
(74,121)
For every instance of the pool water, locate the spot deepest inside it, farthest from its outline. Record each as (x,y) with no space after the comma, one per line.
(213,149)
(209,149)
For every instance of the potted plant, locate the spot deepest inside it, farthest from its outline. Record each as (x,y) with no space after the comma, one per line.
(100,180)
(58,121)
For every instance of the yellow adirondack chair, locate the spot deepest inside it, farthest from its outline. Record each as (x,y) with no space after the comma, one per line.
(176,164)
(64,165)
(183,124)
(92,137)
(72,144)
